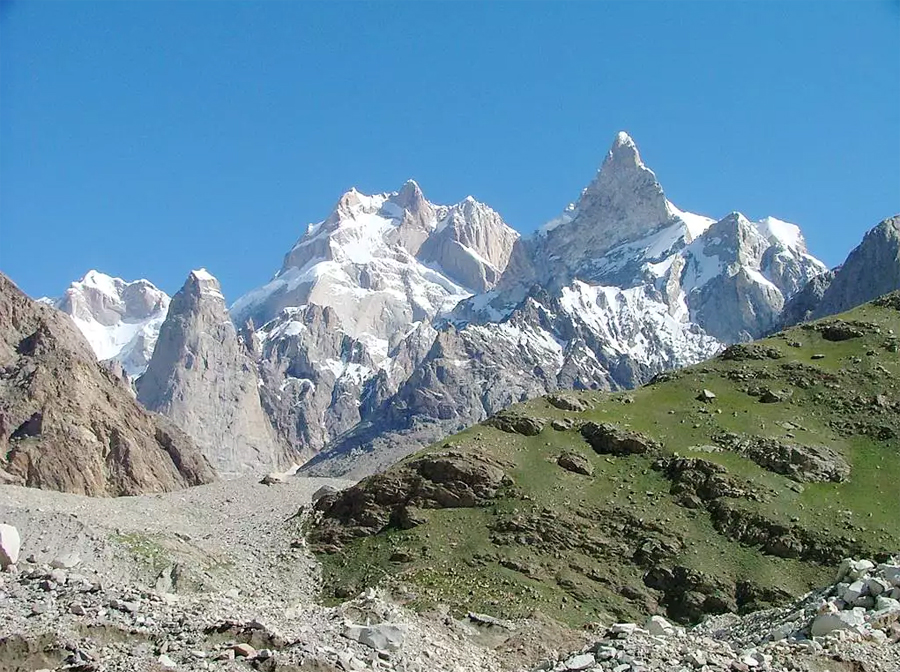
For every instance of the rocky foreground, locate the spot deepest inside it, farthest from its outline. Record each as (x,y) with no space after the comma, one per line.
(217,578)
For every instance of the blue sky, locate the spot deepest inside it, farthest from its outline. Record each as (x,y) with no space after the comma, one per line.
(146,139)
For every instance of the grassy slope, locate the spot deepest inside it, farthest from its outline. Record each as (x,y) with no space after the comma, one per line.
(452,559)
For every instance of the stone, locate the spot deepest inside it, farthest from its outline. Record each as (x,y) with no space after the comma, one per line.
(827,623)
(659,626)
(610,439)
(77,609)
(324,491)
(10,544)
(706,396)
(65,561)
(243,650)
(887,604)
(165,661)
(568,402)
(381,637)
(696,658)
(575,463)
(854,591)
(513,423)
(623,630)
(272,479)
(581,661)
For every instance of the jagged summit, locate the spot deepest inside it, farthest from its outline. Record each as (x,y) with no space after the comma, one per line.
(385,259)
(624,202)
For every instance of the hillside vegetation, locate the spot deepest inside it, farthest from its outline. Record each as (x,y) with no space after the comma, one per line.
(728,485)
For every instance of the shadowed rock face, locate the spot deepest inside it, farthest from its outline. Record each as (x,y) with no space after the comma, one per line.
(67,424)
(201,377)
(871,269)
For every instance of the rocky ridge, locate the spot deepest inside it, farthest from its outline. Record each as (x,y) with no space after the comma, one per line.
(66,423)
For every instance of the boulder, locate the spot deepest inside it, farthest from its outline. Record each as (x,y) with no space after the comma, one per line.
(610,439)
(576,463)
(516,424)
(272,479)
(9,545)
(324,491)
(566,402)
(827,623)
(581,661)
(65,561)
(381,637)
(659,627)
(706,396)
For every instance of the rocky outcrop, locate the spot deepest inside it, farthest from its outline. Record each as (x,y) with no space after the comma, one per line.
(119,319)
(609,439)
(442,480)
(802,463)
(202,378)
(67,424)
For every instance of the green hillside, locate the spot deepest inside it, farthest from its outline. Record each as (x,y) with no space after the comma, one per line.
(669,499)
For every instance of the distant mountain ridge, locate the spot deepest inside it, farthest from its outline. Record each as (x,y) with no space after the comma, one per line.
(395,321)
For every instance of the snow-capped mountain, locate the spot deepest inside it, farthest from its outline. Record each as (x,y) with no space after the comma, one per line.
(395,321)
(351,308)
(621,286)
(119,319)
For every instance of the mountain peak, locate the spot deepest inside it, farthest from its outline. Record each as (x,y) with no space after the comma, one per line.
(410,197)
(102,282)
(202,282)
(624,151)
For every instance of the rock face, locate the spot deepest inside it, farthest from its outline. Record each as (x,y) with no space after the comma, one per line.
(67,424)
(201,377)
(871,270)
(119,319)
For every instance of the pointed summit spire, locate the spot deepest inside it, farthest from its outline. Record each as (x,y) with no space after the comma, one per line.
(410,197)
(624,151)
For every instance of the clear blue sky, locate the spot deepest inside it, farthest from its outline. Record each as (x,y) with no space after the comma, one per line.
(146,139)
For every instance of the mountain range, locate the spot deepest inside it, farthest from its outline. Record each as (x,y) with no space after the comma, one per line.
(396,321)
